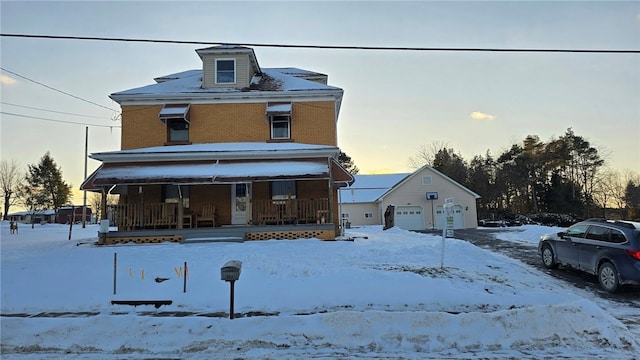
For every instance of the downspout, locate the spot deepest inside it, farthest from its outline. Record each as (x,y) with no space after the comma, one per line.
(213,178)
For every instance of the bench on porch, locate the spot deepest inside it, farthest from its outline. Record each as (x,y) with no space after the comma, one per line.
(207,215)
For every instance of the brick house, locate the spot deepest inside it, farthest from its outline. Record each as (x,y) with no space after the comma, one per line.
(228,145)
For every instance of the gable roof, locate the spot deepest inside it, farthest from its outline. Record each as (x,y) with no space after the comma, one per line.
(368,188)
(427,167)
(373,188)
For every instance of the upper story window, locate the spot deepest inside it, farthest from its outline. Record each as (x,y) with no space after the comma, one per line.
(279,114)
(177,130)
(280,126)
(176,118)
(427,180)
(225,71)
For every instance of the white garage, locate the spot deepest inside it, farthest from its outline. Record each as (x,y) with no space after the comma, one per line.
(417,198)
(458,217)
(409,217)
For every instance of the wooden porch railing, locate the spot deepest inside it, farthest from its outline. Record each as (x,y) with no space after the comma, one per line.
(153,215)
(290,211)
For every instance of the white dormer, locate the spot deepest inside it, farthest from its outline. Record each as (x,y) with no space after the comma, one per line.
(228,67)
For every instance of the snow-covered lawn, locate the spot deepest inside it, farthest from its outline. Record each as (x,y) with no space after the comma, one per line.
(383,295)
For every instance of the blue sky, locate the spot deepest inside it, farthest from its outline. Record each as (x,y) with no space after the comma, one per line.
(394,102)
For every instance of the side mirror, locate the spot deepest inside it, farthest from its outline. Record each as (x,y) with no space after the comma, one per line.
(562,234)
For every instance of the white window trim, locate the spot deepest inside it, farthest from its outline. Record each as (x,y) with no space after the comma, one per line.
(235,71)
(368,215)
(271,120)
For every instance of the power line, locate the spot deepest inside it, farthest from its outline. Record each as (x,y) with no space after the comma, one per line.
(53,111)
(334,47)
(54,89)
(59,121)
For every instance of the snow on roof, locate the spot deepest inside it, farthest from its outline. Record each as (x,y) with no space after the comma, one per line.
(224,147)
(218,151)
(368,188)
(211,171)
(179,75)
(190,82)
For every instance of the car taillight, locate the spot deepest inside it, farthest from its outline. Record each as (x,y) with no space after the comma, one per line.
(634,253)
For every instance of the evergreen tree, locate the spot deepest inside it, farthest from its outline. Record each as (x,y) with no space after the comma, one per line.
(451,164)
(347,163)
(45,187)
(632,199)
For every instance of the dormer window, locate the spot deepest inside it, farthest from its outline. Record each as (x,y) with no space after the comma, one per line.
(225,71)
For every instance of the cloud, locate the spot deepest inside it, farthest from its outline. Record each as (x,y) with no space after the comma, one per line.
(477,115)
(4,79)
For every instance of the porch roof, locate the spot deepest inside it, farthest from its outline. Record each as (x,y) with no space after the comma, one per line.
(210,173)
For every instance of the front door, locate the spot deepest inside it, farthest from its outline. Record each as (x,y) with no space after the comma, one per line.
(240,203)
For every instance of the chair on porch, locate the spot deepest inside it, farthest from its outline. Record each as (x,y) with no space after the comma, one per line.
(208,214)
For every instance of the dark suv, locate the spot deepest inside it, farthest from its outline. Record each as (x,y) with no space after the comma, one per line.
(608,249)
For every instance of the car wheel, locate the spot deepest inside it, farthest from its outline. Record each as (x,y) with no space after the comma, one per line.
(548,257)
(608,277)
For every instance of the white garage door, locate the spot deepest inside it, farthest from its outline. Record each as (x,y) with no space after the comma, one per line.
(458,217)
(409,217)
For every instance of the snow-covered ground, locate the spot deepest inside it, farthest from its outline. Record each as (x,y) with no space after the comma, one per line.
(384,295)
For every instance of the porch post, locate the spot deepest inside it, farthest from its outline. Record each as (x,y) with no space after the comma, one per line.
(330,185)
(103,215)
(330,219)
(180,209)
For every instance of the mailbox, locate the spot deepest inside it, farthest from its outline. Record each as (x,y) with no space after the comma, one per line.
(230,271)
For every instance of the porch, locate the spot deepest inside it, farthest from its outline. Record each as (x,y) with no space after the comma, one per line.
(262,220)
(133,216)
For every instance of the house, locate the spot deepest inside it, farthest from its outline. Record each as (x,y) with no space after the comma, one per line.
(418,200)
(231,144)
(36,217)
(66,214)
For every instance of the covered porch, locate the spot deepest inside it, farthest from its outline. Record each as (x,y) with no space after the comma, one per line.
(176,201)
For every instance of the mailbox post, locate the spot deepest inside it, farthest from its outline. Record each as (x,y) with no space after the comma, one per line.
(230,272)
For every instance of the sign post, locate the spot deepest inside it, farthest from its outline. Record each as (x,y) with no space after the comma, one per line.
(447,231)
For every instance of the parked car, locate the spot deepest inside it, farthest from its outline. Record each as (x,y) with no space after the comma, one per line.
(606,248)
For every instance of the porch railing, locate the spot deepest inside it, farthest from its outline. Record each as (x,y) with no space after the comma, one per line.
(290,211)
(264,212)
(135,216)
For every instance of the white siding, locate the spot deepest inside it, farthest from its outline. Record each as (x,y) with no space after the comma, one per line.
(356,213)
(413,193)
(244,72)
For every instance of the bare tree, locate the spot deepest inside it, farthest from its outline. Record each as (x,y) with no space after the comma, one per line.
(426,155)
(96,203)
(10,180)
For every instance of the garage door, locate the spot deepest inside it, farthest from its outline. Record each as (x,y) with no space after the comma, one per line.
(409,217)
(458,217)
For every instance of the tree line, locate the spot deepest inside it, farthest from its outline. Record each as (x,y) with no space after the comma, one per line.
(40,188)
(565,175)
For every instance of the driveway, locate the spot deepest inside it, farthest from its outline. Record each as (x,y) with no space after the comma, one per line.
(624,305)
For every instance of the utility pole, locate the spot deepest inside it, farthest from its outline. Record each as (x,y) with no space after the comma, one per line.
(84,201)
